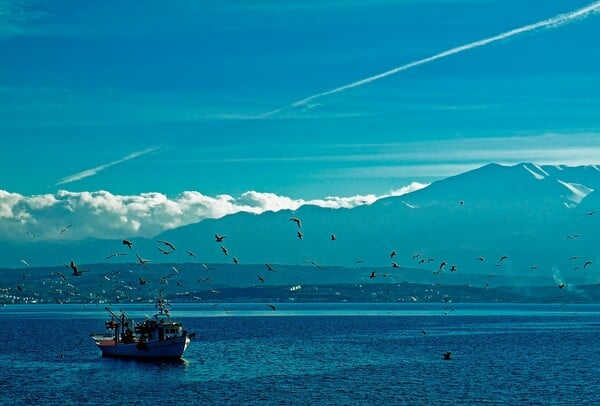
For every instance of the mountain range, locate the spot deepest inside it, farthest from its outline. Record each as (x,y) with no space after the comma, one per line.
(519,221)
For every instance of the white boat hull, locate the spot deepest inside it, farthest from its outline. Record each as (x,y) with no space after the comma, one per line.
(170,348)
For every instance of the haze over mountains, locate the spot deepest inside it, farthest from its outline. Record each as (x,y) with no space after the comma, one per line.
(541,218)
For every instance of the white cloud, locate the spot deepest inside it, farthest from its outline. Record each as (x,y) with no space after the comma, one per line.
(101,214)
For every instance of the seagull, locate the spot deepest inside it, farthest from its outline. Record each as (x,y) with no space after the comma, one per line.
(141,260)
(220,238)
(373,274)
(270,267)
(29,233)
(453,268)
(128,243)
(562,285)
(191,253)
(393,254)
(271,306)
(260,278)
(586,264)
(65,228)
(591,213)
(25,262)
(164,251)
(297,221)
(395,265)
(480,258)
(503,257)
(115,254)
(235,260)
(224,250)
(417,255)
(359,261)
(76,271)
(333,237)
(142,281)
(312,261)
(443,264)
(447,355)
(168,244)
(62,275)
(300,235)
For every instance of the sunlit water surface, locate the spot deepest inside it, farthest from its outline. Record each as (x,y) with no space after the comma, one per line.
(312,354)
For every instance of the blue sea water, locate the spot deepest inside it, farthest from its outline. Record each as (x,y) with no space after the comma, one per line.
(312,354)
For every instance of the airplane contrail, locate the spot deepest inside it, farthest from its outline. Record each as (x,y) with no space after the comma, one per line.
(91,172)
(550,22)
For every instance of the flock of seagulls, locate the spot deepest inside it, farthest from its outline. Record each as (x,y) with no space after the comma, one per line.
(167,248)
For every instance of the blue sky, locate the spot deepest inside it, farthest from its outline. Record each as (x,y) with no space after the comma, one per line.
(137,98)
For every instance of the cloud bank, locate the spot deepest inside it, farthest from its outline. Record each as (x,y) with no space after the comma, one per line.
(101,214)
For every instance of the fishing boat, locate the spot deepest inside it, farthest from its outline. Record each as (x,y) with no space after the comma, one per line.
(154,338)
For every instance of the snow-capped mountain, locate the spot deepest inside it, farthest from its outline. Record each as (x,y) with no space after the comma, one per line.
(540,218)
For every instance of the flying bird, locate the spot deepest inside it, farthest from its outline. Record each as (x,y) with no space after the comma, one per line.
(115,254)
(65,228)
(453,268)
(224,250)
(297,221)
(25,262)
(480,259)
(168,244)
(270,267)
(142,281)
(395,265)
(260,278)
(128,243)
(164,251)
(271,306)
(76,271)
(503,257)
(312,261)
(220,238)
(141,260)
(300,235)
(62,275)
(373,274)
(333,237)
(235,261)
(586,264)
(191,253)
(393,254)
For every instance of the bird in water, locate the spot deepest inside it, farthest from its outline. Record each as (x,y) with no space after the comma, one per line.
(448,355)
(373,275)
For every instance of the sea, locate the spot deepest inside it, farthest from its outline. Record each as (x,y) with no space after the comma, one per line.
(311,354)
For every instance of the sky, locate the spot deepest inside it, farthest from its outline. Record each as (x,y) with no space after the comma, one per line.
(164,114)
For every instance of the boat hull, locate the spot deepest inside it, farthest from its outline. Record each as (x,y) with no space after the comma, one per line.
(171,348)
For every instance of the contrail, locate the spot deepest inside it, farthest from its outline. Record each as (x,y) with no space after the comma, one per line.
(91,172)
(551,22)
